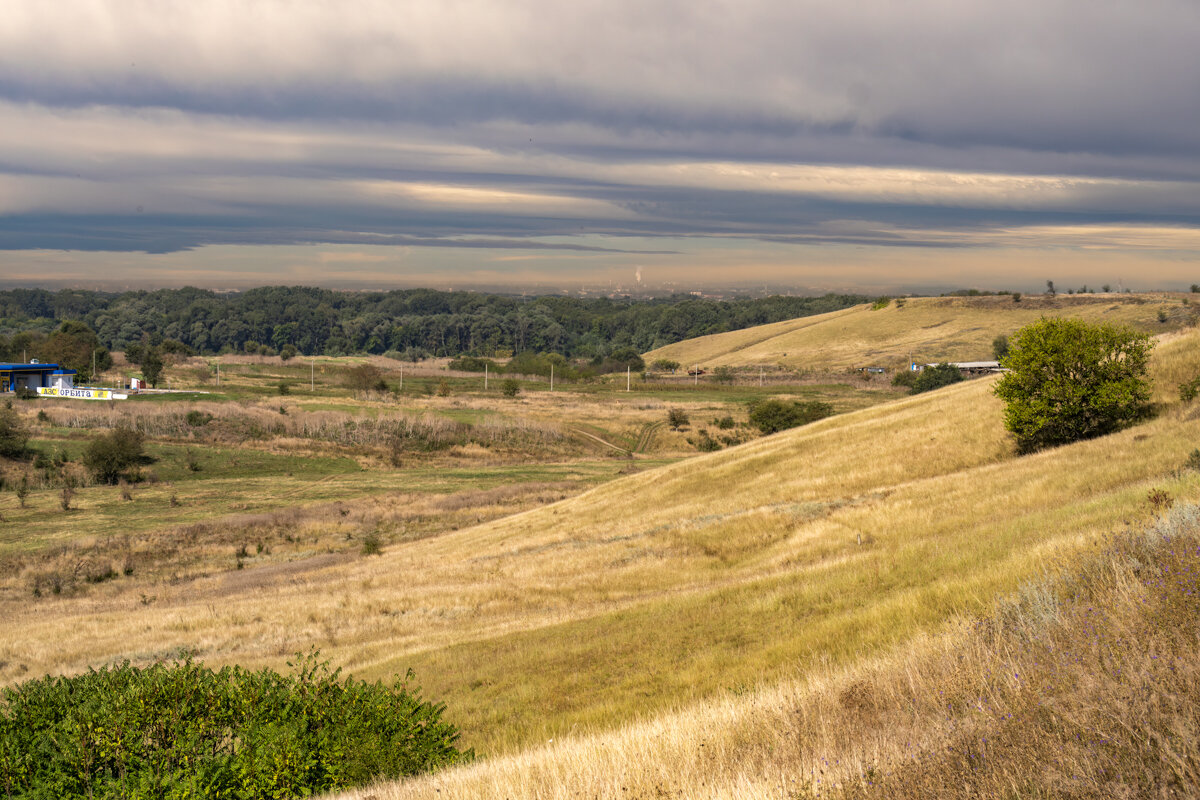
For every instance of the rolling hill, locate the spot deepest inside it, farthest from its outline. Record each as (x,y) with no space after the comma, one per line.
(927,329)
(674,598)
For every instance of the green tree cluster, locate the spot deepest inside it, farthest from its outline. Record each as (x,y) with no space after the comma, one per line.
(415,321)
(1067,380)
(770,416)
(75,346)
(109,455)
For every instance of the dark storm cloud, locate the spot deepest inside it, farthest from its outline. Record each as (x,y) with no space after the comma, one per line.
(154,127)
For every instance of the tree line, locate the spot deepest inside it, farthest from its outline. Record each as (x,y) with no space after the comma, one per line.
(413,322)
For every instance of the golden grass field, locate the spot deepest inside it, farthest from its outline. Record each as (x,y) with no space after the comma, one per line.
(650,636)
(926,329)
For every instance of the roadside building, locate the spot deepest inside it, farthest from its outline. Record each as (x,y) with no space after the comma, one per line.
(35,376)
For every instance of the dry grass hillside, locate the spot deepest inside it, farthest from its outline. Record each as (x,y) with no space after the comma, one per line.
(927,329)
(1083,681)
(679,593)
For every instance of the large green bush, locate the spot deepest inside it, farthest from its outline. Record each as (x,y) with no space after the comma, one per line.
(182,730)
(770,416)
(109,455)
(1068,380)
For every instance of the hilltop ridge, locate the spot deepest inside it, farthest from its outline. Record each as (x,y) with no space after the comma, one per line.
(927,329)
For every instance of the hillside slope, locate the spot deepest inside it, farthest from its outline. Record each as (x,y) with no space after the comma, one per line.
(812,622)
(927,329)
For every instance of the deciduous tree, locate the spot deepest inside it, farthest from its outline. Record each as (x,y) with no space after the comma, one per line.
(1068,380)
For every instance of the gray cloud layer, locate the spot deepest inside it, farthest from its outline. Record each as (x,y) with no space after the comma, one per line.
(150,126)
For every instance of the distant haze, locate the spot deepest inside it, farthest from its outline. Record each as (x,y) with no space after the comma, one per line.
(372,144)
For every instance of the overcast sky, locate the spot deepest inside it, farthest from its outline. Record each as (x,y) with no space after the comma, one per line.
(818,145)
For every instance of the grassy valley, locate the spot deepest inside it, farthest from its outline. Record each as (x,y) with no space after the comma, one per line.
(606,612)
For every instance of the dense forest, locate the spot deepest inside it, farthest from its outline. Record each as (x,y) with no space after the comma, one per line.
(415,323)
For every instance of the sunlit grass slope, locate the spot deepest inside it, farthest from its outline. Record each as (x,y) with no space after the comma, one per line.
(817,546)
(952,534)
(927,329)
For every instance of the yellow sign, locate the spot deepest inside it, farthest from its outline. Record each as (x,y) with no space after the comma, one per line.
(80,394)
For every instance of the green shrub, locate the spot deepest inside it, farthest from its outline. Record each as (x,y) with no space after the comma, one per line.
(677,418)
(109,455)
(707,444)
(198,419)
(881,303)
(473,364)
(725,423)
(365,378)
(1189,389)
(936,377)
(905,378)
(770,416)
(511,387)
(183,730)
(723,374)
(665,365)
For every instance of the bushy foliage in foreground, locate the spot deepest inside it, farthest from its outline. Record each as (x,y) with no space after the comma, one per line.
(183,730)
(770,416)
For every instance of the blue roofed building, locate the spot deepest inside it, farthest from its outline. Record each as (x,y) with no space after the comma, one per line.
(35,376)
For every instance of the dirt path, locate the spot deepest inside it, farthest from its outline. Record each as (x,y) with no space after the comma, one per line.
(597,439)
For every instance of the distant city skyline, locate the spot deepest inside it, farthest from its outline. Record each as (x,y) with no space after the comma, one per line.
(521,143)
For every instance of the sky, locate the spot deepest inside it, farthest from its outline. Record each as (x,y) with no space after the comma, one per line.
(925,144)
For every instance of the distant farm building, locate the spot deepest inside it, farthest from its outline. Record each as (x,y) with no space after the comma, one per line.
(34,376)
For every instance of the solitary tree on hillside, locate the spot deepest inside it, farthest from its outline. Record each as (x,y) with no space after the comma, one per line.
(14,436)
(152,366)
(1068,380)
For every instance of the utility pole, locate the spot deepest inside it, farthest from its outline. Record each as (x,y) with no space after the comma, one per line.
(402,377)
(552,376)
(696,376)
(627,377)
(760,374)
(218,373)
(312,375)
